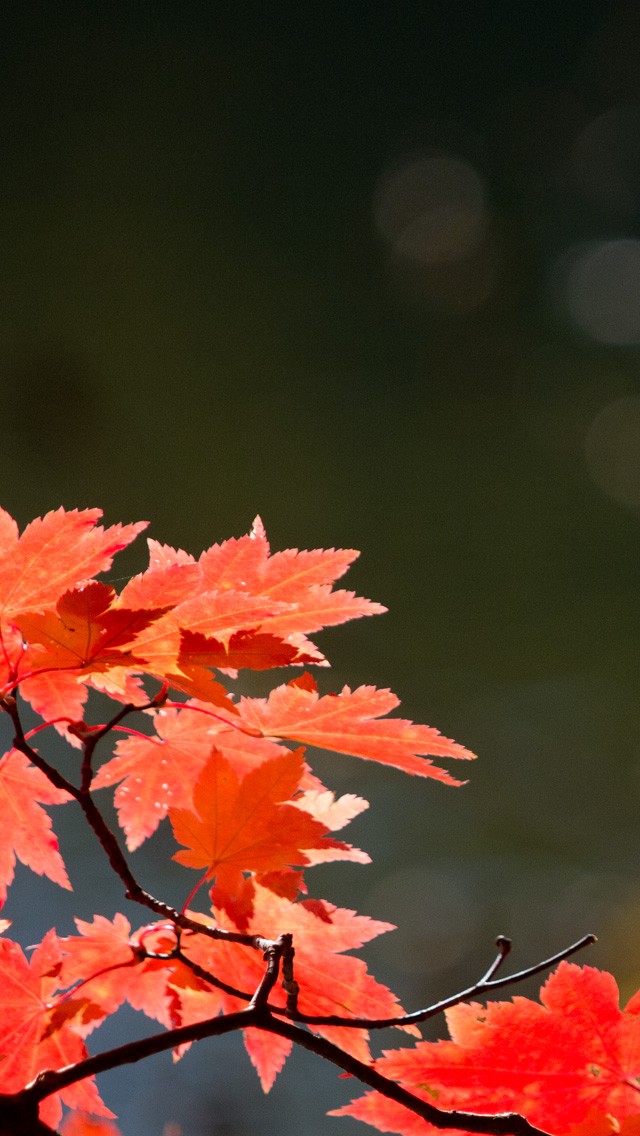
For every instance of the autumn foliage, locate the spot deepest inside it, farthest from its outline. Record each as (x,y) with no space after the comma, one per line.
(249,817)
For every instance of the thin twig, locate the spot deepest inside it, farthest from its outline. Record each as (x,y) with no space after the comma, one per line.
(206,976)
(481,986)
(504,946)
(91,740)
(418,1016)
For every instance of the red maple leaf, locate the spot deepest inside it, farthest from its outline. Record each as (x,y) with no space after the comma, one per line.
(80,642)
(164,556)
(257,651)
(25,826)
(237,562)
(603,1124)
(300,579)
(554,1062)
(320,607)
(246,824)
(348,723)
(335,814)
(107,962)
(209,614)
(27,1046)
(85,632)
(389,1116)
(55,553)
(304,580)
(246,562)
(330,982)
(219,614)
(288,574)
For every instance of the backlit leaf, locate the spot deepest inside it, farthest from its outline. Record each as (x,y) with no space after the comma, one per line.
(349,722)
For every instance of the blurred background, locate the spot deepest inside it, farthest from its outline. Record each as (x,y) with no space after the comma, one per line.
(372,271)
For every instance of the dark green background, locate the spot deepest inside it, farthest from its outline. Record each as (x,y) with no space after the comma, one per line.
(199,323)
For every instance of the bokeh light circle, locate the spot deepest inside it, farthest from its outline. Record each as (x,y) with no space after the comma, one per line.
(601,290)
(603,164)
(431,210)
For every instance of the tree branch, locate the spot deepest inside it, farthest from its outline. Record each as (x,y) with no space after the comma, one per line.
(92,738)
(499,1124)
(485,983)
(272,957)
(108,841)
(258,1017)
(14,1109)
(479,988)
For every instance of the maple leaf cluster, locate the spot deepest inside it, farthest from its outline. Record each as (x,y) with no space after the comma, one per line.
(230,774)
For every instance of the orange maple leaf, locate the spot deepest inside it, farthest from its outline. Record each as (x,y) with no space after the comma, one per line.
(238,586)
(348,723)
(300,579)
(81,1124)
(56,695)
(246,824)
(255,650)
(161,585)
(92,633)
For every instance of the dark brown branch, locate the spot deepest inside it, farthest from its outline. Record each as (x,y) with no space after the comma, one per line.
(272,957)
(282,947)
(10,707)
(19,1116)
(52,1081)
(501,1124)
(504,1124)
